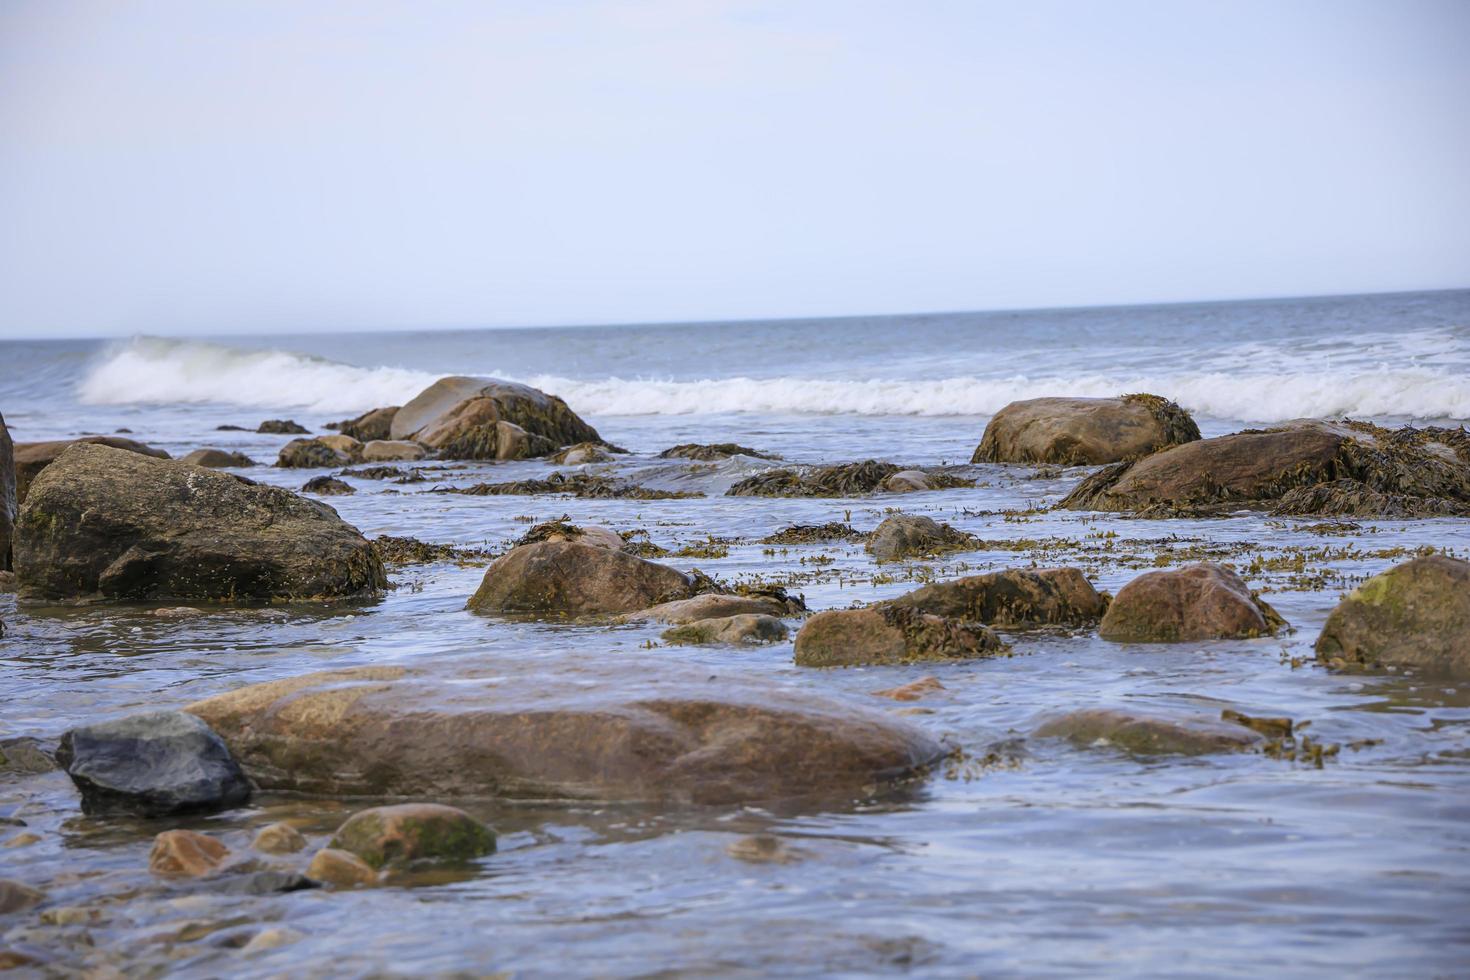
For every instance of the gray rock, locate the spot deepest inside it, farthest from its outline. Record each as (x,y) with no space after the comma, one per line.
(908,536)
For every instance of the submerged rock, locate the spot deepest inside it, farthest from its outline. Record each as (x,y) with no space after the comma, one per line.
(413,832)
(1198,602)
(715,605)
(886,634)
(910,535)
(461,418)
(370,426)
(185,854)
(814,534)
(711,452)
(842,480)
(33,457)
(744,628)
(328,486)
(340,869)
(912,691)
(1149,733)
(279,838)
(282,427)
(217,459)
(581,454)
(311,454)
(392,451)
(580,484)
(1305,467)
(17,897)
(907,481)
(8,503)
(1012,599)
(102,523)
(447,731)
(1084,431)
(563,530)
(159,763)
(570,578)
(25,754)
(1414,615)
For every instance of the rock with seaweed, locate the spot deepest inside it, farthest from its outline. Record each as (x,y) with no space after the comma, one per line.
(595,486)
(888,634)
(1147,733)
(1013,599)
(839,480)
(712,452)
(741,629)
(311,454)
(570,578)
(912,535)
(104,523)
(1084,431)
(392,451)
(562,529)
(328,486)
(282,427)
(370,426)
(1306,467)
(1414,615)
(581,454)
(1199,602)
(32,457)
(485,418)
(815,534)
(217,459)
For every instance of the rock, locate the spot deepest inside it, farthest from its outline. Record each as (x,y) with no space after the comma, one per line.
(841,480)
(16,897)
(742,629)
(273,938)
(7,582)
(33,457)
(569,578)
(340,869)
(460,417)
(311,454)
(638,732)
(763,849)
(1197,602)
(279,838)
(217,459)
(886,634)
(710,452)
(814,534)
(23,839)
(185,854)
(909,535)
(25,754)
(373,426)
(912,691)
(346,445)
(413,832)
(1013,599)
(159,763)
(1084,431)
(597,537)
(177,612)
(907,481)
(271,881)
(581,454)
(282,427)
(101,523)
(1414,615)
(390,451)
(713,605)
(1304,467)
(328,486)
(8,503)
(1147,733)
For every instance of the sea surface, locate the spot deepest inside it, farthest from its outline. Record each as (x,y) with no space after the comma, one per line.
(1034,858)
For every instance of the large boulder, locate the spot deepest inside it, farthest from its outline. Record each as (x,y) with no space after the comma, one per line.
(460,416)
(370,426)
(1304,467)
(8,504)
(216,459)
(888,634)
(411,833)
(1414,615)
(572,579)
(102,523)
(1199,602)
(1083,431)
(155,764)
(912,535)
(32,457)
(631,732)
(1150,732)
(1012,599)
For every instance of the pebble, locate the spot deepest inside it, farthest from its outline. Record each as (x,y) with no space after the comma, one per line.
(272,939)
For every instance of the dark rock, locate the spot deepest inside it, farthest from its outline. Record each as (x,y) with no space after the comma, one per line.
(569,578)
(101,523)
(462,418)
(1013,599)
(370,426)
(885,634)
(269,882)
(1150,733)
(17,897)
(908,536)
(32,457)
(155,764)
(231,428)
(1198,602)
(744,628)
(814,534)
(217,459)
(328,486)
(8,503)
(586,485)
(311,454)
(841,480)
(282,427)
(410,833)
(1084,431)
(1414,615)
(708,452)
(27,755)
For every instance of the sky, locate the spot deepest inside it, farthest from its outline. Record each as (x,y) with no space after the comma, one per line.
(184,167)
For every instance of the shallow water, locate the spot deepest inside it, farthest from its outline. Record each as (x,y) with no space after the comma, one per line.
(1024,857)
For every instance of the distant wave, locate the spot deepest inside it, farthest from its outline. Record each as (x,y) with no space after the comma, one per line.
(149,370)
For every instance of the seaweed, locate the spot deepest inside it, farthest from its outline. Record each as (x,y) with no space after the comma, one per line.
(815,534)
(584,485)
(707,452)
(838,480)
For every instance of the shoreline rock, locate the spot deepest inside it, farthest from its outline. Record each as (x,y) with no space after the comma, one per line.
(888,634)
(410,833)
(1084,431)
(1198,602)
(1414,615)
(911,536)
(573,579)
(1149,732)
(217,459)
(31,458)
(486,418)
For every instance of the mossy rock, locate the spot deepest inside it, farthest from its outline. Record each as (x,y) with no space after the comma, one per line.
(1414,615)
(885,634)
(410,833)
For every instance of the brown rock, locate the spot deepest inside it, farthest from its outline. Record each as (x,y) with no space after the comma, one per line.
(1150,733)
(712,605)
(581,454)
(1083,431)
(742,629)
(346,445)
(279,838)
(217,459)
(183,853)
(912,691)
(311,454)
(1414,615)
(569,578)
(910,536)
(282,427)
(907,481)
(369,426)
(458,416)
(341,869)
(1198,602)
(589,534)
(388,451)
(887,634)
(1013,599)
(16,897)
(413,832)
(32,457)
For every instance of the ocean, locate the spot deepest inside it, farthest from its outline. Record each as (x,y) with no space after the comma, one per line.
(1045,860)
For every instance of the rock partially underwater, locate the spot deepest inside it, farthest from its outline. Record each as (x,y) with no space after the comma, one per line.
(1084,431)
(1199,602)
(839,480)
(485,418)
(1414,615)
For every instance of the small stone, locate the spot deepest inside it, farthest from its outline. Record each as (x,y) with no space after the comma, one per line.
(912,691)
(409,832)
(279,838)
(1149,733)
(1270,727)
(341,869)
(177,612)
(272,939)
(184,853)
(15,897)
(71,915)
(763,849)
(22,840)
(743,629)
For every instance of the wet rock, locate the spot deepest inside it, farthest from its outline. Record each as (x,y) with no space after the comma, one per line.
(910,535)
(1084,431)
(7,582)
(1414,615)
(461,418)
(1278,727)
(562,530)
(272,938)
(764,849)
(569,578)
(411,551)
(912,691)
(814,534)
(474,730)
(340,869)
(1013,599)
(328,486)
(311,454)
(581,454)
(282,427)
(17,897)
(373,426)
(33,457)
(1148,733)
(1305,467)
(102,523)
(185,854)
(177,612)
(217,459)
(346,445)
(711,452)
(580,484)
(8,503)
(389,451)
(907,481)
(23,839)
(742,629)
(413,832)
(279,838)
(713,605)
(842,480)
(25,754)
(886,634)
(158,763)
(1197,602)
(272,881)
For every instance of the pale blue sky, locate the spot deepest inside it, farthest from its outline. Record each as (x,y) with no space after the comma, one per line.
(206,166)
